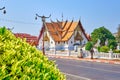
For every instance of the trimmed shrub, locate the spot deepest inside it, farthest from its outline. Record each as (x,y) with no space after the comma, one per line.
(104,49)
(20,61)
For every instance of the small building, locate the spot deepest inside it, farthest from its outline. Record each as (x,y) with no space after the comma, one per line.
(32,40)
(62,35)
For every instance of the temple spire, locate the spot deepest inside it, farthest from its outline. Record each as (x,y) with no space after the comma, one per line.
(62,17)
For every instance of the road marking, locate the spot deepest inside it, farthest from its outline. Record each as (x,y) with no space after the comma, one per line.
(79,77)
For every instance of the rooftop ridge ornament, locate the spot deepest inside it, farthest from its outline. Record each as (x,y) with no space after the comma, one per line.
(62,17)
(57,20)
(51,20)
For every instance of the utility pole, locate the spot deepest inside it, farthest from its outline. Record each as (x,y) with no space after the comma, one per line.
(43,21)
(4,11)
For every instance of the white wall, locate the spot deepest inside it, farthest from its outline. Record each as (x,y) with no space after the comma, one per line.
(84,39)
(52,44)
(62,46)
(40,43)
(70,45)
(47,44)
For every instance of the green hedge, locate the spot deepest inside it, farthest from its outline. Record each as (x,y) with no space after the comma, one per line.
(20,61)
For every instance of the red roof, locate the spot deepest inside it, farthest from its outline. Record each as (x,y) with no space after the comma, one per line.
(32,40)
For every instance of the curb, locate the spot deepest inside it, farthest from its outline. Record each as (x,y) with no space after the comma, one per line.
(87,59)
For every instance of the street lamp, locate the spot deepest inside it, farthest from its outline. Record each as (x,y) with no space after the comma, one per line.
(43,21)
(4,11)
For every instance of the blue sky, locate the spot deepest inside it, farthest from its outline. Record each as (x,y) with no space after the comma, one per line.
(92,13)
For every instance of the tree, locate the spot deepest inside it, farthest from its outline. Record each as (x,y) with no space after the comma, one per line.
(112,44)
(89,47)
(101,34)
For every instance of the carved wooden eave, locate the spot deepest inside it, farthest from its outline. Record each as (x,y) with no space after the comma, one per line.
(83,30)
(78,36)
(46,38)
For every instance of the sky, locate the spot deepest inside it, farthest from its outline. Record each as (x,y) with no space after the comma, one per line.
(92,13)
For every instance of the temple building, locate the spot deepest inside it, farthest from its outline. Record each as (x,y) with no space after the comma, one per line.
(62,35)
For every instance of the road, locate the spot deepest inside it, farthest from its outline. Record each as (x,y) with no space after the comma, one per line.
(82,70)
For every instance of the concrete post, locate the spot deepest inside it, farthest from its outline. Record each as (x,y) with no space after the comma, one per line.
(110,54)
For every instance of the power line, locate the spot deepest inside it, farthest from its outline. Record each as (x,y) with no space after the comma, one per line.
(18,22)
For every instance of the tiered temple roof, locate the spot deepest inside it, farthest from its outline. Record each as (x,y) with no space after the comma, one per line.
(62,31)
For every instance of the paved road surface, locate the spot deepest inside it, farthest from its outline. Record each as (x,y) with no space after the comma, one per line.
(82,70)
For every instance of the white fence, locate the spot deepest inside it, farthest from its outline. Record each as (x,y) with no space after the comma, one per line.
(86,54)
(102,55)
(62,53)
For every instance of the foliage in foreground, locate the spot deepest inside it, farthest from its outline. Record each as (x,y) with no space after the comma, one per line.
(20,61)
